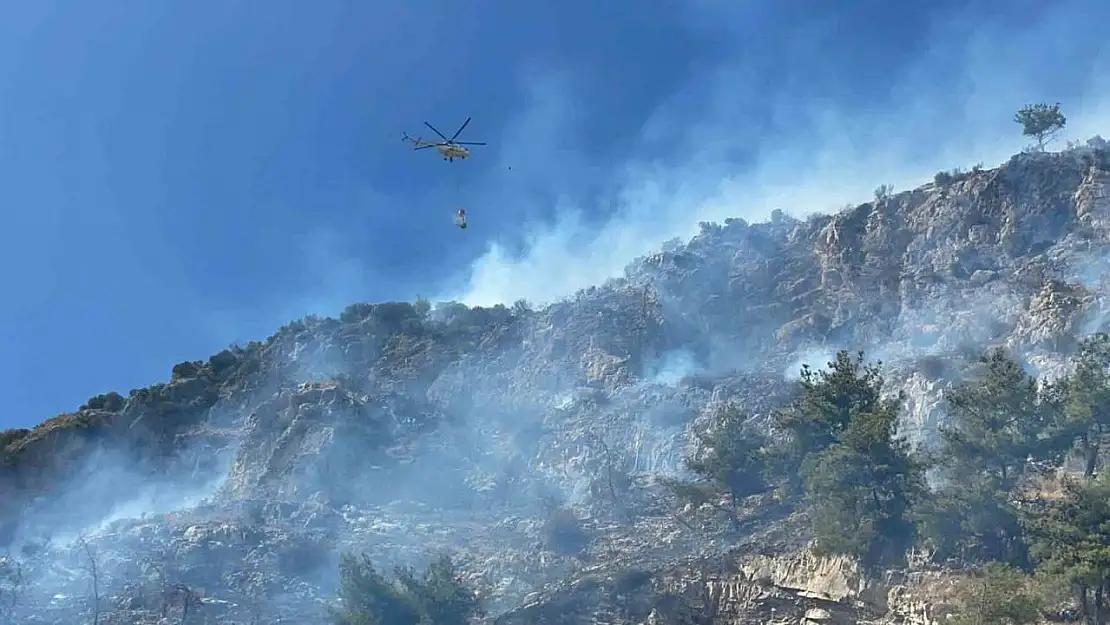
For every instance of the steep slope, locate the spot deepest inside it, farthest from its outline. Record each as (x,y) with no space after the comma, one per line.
(401,428)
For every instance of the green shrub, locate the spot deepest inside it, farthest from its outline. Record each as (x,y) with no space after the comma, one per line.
(112,402)
(438,597)
(186,370)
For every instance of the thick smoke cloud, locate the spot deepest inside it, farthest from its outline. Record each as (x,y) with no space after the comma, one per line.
(952,106)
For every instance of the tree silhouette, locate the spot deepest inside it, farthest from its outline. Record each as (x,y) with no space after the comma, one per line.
(1041,121)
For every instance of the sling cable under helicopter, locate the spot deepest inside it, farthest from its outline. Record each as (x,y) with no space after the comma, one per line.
(450,149)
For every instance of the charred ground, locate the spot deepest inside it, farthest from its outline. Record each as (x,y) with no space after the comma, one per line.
(398,429)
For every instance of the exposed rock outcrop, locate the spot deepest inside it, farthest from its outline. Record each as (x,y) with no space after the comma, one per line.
(403,428)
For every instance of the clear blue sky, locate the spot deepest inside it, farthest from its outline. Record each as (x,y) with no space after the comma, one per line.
(175,176)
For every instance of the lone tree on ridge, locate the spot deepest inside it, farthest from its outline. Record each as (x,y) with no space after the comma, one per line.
(1041,121)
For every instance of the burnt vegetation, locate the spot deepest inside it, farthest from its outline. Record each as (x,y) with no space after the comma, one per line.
(995,502)
(832,451)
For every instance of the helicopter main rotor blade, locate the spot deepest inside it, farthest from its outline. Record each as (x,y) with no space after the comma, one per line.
(470,142)
(457,132)
(437,132)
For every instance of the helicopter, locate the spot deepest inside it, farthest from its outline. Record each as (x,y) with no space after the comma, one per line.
(448,148)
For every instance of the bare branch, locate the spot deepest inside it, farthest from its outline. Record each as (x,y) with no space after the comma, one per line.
(610,465)
(94,575)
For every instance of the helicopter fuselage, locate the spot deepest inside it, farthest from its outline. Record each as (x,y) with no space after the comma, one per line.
(448,149)
(452,151)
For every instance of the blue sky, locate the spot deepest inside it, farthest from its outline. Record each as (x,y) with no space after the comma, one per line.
(177,176)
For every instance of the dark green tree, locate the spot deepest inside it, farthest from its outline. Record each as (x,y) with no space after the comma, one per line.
(442,594)
(996,594)
(438,597)
(997,421)
(1070,537)
(1041,121)
(841,451)
(862,489)
(729,460)
(729,457)
(369,598)
(827,401)
(1086,405)
(972,522)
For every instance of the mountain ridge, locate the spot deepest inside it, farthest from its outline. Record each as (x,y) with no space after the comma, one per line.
(473,410)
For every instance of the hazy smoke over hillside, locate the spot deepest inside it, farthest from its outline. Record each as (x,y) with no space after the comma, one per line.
(404,429)
(951,107)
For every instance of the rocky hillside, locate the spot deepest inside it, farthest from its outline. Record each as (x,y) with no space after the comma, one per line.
(399,429)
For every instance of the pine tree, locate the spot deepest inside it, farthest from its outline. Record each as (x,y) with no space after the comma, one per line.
(438,597)
(863,488)
(859,480)
(997,594)
(1087,400)
(369,598)
(730,457)
(997,421)
(441,593)
(1070,537)
(826,403)
(729,460)
(1041,121)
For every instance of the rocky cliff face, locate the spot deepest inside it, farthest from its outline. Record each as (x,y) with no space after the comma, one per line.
(399,429)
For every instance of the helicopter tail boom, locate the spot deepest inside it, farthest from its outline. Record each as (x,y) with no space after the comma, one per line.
(417,142)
